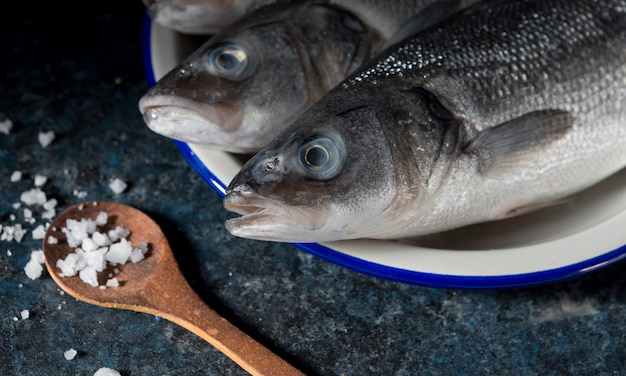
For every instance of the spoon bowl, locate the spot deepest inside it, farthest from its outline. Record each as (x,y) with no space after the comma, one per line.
(155,285)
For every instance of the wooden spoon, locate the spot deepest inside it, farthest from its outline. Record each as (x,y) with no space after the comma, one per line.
(156,286)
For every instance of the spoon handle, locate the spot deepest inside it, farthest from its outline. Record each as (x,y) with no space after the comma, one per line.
(177,302)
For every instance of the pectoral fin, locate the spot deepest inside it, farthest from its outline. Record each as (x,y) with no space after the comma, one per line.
(515,144)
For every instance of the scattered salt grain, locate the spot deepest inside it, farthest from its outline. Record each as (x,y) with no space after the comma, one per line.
(117,185)
(16,176)
(52,240)
(15,232)
(79,194)
(104,371)
(70,354)
(9,253)
(40,180)
(5,126)
(45,138)
(112,282)
(34,268)
(33,196)
(39,232)
(25,314)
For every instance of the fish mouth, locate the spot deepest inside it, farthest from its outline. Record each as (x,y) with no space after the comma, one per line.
(264,218)
(187,120)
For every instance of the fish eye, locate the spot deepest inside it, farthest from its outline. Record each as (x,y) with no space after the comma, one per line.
(228,61)
(322,157)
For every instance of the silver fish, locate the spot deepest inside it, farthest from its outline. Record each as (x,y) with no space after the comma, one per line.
(250,81)
(199,17)
(500,110)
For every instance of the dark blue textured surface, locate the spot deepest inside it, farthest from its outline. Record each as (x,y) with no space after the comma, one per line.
(82,78)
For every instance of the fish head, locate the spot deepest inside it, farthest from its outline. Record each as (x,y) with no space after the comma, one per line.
(355,165)
(247,83)
(329,176)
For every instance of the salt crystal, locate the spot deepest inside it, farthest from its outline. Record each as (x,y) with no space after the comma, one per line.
(33,196)
(40,180)
(50,204)
(100,239)
(143,246)
(39,232)
(118,233)
(119,252)
(96,258)
(18,232)
(89,275)
(52,240)
(79,194)
(25,314)
(34,268)
(16,176)
(104,371)
(71,353)
(45,138)
(112,282)
(9,253)
(136,255)
(117,186)
(102,218)
(5,126)
(68,265)
(89,245)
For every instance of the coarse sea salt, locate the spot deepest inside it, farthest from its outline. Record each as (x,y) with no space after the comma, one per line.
(70,354)
(5,126)
(117,185)
(45,138)
(25,314)
(39,232)
(40,180)
(33,196)
(95,250)
(16,176)
(34,267)
(105,371)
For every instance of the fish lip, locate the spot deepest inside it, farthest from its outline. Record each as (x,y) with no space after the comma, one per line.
(253,205)
(264,218)
(223,117)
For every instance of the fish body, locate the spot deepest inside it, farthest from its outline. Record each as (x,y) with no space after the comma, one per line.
(499,110)
(251,80)
(199,17)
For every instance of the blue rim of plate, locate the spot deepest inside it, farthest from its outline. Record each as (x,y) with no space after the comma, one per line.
(386,272)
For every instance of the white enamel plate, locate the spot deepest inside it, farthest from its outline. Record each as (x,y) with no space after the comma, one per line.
(585,233)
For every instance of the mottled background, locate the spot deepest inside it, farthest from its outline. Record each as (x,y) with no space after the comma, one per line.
(79,73)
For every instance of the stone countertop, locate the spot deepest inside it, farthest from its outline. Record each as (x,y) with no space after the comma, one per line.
(81,78)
